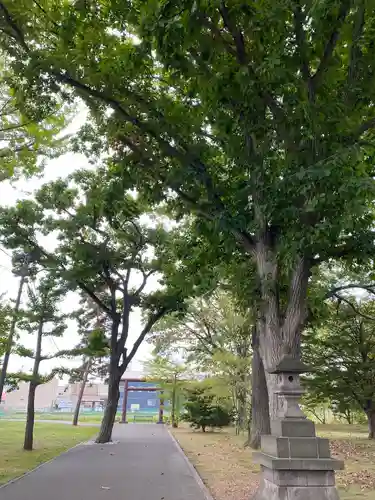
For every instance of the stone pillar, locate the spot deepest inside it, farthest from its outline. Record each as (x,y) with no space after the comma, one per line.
(295,464)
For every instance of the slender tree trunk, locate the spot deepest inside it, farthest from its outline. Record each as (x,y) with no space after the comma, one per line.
(29,430)
(260,416)
(81,391)
(173,409)
(349,417)
(12,330)
(241,399)
(371,423)
(106,428)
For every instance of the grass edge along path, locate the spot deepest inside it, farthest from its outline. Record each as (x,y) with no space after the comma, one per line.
(227,469)
(50,441)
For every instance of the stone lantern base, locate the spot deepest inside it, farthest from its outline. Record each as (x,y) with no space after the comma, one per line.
(295,464)
(296,485)
(296,467)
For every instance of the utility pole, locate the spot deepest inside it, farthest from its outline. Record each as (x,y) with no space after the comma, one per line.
(22,272)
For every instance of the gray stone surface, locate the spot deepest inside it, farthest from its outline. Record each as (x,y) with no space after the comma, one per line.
(303,447)
(295,447)
(299,478)
(275,446)
(290,428)
(271,491)
(297,464)
(144,463)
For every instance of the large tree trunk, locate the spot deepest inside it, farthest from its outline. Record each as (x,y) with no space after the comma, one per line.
(260,416)
(81,391)
(29,430)
(371,423)
(105,433)
(280,327)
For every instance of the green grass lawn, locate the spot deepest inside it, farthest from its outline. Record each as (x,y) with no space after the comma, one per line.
(86,417)
(50,441)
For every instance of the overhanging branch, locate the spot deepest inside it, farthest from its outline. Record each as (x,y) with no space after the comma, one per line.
(146,329)
(368,287)
(331,43)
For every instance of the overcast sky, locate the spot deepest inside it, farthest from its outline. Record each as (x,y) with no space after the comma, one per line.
(60,167)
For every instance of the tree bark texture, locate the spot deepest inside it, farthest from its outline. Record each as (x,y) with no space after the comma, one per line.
(106,428)
(260,416)
(241,397)
(279,327)
(371,423)
(29,430)
(81,391)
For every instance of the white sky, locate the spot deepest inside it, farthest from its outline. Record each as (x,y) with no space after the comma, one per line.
(60,167)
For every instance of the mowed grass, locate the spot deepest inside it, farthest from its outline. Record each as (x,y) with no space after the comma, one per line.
(68,417)
(94,418)
(228,470)
(50,441)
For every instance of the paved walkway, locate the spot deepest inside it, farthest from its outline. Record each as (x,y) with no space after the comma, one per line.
(143,463)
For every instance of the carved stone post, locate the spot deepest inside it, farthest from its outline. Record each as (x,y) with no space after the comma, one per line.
(295,464)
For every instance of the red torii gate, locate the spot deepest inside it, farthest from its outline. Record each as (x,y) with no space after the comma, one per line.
(128,388)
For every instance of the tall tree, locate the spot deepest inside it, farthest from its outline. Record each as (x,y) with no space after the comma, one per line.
(257,118)
(342,352)
(42,319)
(21,269)
(220,265)
(29,135)
(214,335)
(104,251)
(5,321)
(93,346)
(171,377)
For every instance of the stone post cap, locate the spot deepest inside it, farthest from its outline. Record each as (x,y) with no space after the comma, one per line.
(289,364)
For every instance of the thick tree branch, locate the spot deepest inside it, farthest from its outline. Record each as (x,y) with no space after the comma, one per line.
(296,312)
(353,307)
(146,329)
(235,32)
(57,261)
(355,52)
(145,277)
(48,17)
(244,238)
(331,43)
(299,20)
(218,35)
(368,287)
(18,35)
(366,125)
